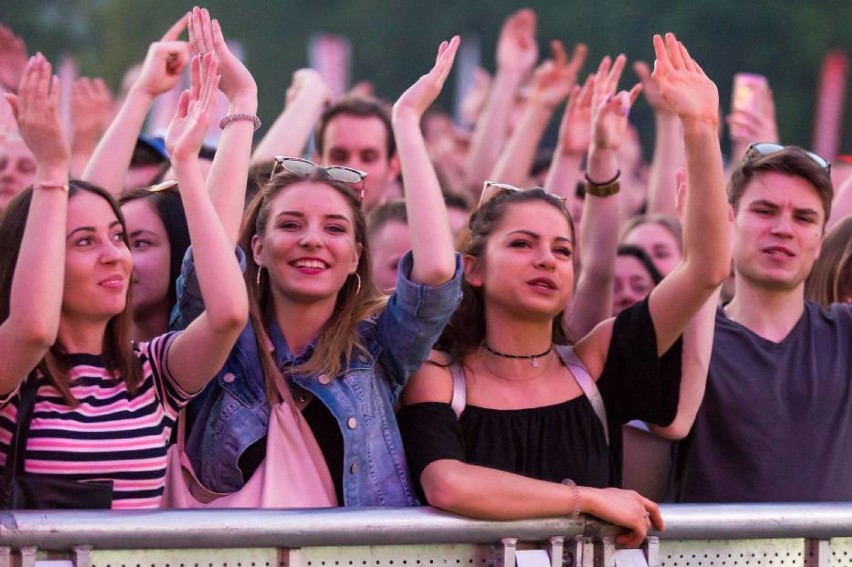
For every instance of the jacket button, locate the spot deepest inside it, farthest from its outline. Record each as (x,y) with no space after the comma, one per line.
(351,423)
(324,379)
(354,468)
(228,377)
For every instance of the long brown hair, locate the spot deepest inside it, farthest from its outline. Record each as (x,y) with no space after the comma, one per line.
(339,338)
(466,329)
(117,348)
(830,279)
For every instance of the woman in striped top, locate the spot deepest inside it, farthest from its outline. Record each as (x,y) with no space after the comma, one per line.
(104,406)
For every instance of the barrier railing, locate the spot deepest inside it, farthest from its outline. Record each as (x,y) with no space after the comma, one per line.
(777,535)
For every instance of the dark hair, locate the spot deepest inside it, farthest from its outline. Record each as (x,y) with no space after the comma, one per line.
(830,279)
(258,176)
(466,329)
(389,211)
(117,347)
(792,160)
(168,205)
(644,259)
(338,339)
(361,106)
(456,201)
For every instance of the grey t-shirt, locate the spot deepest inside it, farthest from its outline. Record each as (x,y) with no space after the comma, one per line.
(776,421)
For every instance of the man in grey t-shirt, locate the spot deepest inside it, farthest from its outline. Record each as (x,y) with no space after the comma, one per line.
(776,421)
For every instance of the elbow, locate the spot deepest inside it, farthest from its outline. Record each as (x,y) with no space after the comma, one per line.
(442,490)
(675,431)
(437,275)
(231,319)
(37,334)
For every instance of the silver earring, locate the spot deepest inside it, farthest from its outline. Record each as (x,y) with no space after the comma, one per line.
(357,282)
(257,278)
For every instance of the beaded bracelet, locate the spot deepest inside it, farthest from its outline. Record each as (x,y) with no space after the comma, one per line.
(51,185)
(604,189)
(240,116)
(576,493)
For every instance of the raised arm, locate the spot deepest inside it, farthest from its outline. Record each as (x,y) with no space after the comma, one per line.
(229,173)
(215,331)
(668,147)
(91,109)
(35,298)
(13,59)
(164,64)
(602,212)
(428,222)
(552,81)
(517,52)
(748,126)
(307,97)
(706,263)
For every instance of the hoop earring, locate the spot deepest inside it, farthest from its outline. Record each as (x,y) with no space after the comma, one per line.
(257,279)
(357,282)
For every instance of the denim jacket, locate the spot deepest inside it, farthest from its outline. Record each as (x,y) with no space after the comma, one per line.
(233,412)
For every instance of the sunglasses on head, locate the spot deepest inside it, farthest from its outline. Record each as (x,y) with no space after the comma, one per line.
(306,168)
(491,189)
(769,148)
(163,186)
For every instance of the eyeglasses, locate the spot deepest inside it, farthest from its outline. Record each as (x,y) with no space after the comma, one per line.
(164,186)
(306,168)
(769,148)
(492,189)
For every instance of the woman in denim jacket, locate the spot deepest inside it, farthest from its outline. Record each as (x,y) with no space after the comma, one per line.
(345,350)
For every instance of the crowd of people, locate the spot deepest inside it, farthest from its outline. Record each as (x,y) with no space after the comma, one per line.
(418,312)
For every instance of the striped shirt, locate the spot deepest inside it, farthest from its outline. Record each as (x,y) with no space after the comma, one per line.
(110,435)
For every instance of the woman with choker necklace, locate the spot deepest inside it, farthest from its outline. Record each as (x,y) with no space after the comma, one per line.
(526,438)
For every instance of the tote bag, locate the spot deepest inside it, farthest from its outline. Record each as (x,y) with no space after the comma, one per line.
(294,473)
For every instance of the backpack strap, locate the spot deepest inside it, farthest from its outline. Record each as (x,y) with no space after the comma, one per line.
(586,383)
(459,399)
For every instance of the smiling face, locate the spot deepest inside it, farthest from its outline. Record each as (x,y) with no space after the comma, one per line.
(97,261)
(149,245)
(308,246)
(778,230)
(527,267)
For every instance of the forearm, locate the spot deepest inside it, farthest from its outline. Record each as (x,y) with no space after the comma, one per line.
(35,297)
(289,135)
(517,156)
(428,222)
(491,131)
(228,175)
(697,348)
(111,159)
(219,276)
(668,157)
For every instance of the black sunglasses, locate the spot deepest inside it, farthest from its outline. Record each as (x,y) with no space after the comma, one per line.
(306,168)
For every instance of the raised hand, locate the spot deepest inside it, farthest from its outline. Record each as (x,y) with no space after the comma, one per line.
(575,131)
(186,132)
(553,79)
(517,50)
(610,109)
(419,96)
(474,99)
(682,82)
(747,126)
(13,59)
(91,107)
(165,62)
(36,109)
(649,88)
(205,35)
(308,82)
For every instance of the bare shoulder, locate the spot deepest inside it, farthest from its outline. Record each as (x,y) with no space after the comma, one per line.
(593,347)
(431,383)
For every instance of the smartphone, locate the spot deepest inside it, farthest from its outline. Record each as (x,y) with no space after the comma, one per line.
(748,91)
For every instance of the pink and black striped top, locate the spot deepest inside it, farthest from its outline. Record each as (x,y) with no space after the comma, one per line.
(111,435)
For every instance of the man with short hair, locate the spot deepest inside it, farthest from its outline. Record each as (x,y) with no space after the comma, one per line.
(776,421)
(356,132)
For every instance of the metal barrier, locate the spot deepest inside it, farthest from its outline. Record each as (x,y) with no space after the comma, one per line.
(776,535)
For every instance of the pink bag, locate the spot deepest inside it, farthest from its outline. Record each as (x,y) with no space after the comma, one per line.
(294,473)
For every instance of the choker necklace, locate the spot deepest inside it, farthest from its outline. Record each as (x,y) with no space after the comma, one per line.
(533,358)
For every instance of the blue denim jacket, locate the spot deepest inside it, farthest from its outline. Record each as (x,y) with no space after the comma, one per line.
(233,412)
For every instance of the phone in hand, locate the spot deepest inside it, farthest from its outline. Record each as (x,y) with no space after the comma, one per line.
(748,92)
